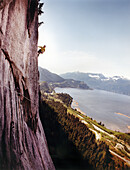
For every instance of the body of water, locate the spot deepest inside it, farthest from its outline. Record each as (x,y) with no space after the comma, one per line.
(112,109)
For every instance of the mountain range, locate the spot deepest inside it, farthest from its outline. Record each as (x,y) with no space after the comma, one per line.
(117,84)
(49,80)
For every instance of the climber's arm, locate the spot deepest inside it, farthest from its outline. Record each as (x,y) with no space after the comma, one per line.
(40,46)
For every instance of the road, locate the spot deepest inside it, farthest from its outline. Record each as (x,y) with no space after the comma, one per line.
(127,161)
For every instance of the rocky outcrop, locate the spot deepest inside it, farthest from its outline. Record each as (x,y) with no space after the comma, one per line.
(22,140)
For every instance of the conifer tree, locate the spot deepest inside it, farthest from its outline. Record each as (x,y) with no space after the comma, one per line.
(40,11)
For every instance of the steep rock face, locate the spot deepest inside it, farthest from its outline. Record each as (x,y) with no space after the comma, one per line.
(22,141)
(3,3)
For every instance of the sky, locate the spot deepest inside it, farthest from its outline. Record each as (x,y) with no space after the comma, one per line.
(87,36)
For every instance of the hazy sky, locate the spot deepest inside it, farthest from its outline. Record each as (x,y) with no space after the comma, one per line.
(86,36)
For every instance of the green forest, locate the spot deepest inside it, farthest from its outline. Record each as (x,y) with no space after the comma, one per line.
(72,141)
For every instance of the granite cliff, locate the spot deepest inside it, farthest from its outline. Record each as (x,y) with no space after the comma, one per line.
(22,140)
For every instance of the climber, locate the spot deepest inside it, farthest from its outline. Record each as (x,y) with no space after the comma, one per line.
(42,49)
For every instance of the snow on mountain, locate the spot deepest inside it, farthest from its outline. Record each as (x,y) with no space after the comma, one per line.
(94,76)
(118,84)
(106,79)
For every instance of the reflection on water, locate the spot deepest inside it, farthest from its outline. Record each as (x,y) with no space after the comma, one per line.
(123,115)
(102,106)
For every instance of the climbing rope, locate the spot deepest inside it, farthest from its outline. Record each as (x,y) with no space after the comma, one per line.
(19,94)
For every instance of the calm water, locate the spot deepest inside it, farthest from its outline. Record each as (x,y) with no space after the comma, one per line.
(103,106)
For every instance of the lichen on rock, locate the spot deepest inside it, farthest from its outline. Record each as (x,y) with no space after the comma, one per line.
(22,140)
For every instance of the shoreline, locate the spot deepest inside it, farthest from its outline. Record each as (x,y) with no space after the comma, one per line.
(75,105)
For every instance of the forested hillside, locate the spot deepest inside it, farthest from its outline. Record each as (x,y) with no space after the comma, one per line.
(64,127)
(53,80)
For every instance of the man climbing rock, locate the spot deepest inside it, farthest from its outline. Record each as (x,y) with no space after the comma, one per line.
(41,50)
